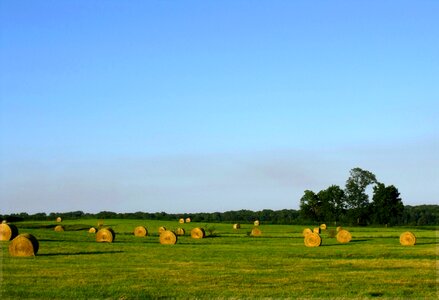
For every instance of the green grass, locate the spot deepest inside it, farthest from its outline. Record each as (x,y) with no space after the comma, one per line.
(227,264)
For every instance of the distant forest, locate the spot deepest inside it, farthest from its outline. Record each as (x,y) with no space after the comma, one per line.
(412,216)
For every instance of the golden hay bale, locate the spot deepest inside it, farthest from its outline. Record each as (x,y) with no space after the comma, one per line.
(344,236)
(24,245)
(167,237)
(323,226)
(59,228)
(198,233)
(106,235)
(140,231)
(59,220)
(256,232)
(312,240)
(181,221)
(256,223)
(306,231)
(4,222)
(188,220)
(338,228)
(407,239)
(92,230)
(8,232)
(236,226)
(316,230)
(180,231)
(161,229)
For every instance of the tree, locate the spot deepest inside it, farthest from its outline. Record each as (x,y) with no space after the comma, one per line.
(333,204)
(310,206)
(387,205)
(356,197)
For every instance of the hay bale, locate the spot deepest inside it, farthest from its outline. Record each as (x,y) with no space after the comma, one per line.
(59,228)
(188,220)
(323,226)
(180,231)
(140,231)
(24,245)
(338,228)
(312,240)
(344,236)
(256,232)
(59,220)
(407,239)
(316,230)
(198,233)
(236,226)
(161,229)
(306,231)
(92,230)
(167,237)
(8,232)
(181,221)
(105,235)
(4,222)
(256,223)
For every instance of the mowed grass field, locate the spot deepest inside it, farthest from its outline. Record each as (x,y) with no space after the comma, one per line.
(227,264)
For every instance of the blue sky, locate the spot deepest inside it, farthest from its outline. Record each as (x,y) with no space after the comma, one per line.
(189,106)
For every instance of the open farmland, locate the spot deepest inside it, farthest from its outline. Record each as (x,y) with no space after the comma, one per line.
(227,263)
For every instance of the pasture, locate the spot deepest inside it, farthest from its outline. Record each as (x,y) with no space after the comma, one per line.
(228,263)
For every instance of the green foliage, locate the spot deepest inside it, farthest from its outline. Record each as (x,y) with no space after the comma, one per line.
(387,207)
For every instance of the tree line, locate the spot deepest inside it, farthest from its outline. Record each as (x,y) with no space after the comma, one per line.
(412,216)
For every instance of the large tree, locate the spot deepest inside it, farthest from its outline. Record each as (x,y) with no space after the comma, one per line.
(387,205)
(310,206)
(332,203)
(356,197)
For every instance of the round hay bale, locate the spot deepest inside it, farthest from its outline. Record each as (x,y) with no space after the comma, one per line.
(256,223)
(24,245)
(92,230)
(198,233)
(407,239)
(59,228)
(105,235)
(312,240)
(236,226)
(8,232)
(180,231)
(167,237)
(338,228)
(344,236)
(188,220)
(256,232)
(323,226)
(59,220)
(140,231)
(306,231)
(181,221)
(161,229)
(316,230)
(4,222)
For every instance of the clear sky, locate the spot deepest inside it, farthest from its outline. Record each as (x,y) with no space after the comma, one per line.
(202,106)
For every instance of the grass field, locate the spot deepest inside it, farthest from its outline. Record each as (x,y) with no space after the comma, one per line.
(226,264)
